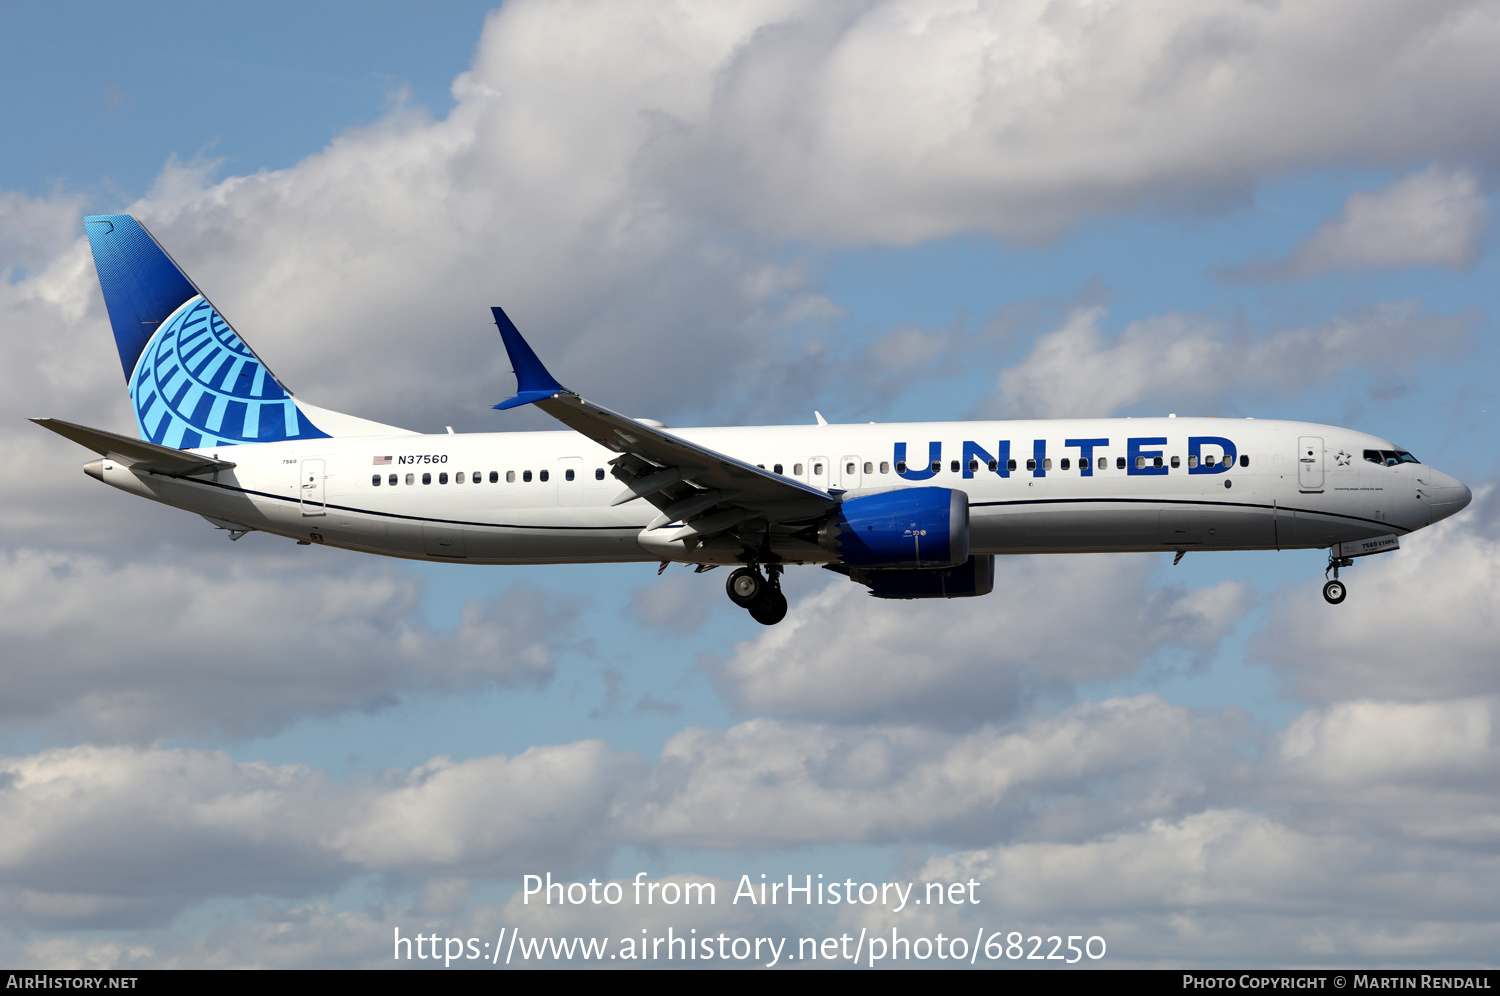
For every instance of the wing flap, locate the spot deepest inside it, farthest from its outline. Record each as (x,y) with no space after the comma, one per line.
(705,468)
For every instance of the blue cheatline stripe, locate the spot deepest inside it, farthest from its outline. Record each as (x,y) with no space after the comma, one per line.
(1289,509)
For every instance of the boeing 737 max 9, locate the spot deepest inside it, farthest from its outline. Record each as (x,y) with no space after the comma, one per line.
(916,510)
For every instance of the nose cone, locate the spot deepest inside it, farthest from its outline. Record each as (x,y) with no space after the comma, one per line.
(1449,495)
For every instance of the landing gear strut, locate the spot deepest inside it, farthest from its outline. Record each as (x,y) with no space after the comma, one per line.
(1334,590)
(761,595)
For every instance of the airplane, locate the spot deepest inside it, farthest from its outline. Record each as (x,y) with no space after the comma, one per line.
(911,510)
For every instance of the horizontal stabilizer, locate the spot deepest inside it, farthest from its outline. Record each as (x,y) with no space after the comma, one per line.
(138,454)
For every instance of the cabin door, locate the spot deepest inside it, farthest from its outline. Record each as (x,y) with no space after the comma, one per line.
(818,472)
(310,488)
(1309,462)
(849,476)
(570,481)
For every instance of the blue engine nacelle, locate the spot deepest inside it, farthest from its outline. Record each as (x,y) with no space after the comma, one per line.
(975,576)
(909,527)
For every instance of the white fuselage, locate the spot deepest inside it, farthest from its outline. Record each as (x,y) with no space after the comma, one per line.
(544,497)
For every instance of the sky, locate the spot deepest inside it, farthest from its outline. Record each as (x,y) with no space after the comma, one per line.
(219,754)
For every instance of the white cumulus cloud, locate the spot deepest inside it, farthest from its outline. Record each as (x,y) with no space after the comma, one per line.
(1433,218)
(834,658)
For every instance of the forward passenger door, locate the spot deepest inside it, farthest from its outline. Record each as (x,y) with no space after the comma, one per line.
(1310,462)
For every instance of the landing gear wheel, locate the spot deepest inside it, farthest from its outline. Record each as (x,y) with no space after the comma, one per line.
(771,609)
(746,587)
(1334,592)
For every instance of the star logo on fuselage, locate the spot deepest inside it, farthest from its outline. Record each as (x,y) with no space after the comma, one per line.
(1344,459)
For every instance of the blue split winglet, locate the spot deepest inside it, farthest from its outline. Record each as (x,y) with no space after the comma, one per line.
(533,382)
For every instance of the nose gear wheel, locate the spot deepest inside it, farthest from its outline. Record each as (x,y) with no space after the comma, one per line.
(1334,590)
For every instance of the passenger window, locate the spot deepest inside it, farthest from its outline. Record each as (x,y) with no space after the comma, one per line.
(411,479)
(510,476)
(817,469)
(1140,463)
(443,477)
(777,468)
(1031,463)
(1245,460)
(1065,464)
(568,474)
(849,468)
(1010,465)
(900,466)
(426,478)
(1083,463)
(869,467)
(937,465)
(994,465)
(973,465)
(495,476)
(1046,463)
(1119,463)
(526,477)
(542,476)
(598,473)
(477,476)
(885,467)
(1176,462)
(458,478)
(1208,461)
(953,466)
(375,480)
(797,469)
(391,480)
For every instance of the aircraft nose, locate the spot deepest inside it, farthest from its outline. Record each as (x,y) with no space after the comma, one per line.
(1449,495)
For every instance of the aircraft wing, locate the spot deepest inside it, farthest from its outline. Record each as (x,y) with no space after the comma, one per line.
(137,454)
(687,482)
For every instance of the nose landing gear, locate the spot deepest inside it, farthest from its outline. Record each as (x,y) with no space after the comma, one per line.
(1334,590)
(759,594)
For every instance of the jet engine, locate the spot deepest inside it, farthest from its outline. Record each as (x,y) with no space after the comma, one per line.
(975,576)
(910,527)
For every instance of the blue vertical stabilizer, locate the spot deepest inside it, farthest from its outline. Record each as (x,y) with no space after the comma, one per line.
(141,284)
(193,381)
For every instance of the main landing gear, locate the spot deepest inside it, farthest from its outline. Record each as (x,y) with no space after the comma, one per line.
(1334,590)
(761,595)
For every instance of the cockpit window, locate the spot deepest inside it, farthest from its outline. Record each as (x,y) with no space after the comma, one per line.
(1389,458)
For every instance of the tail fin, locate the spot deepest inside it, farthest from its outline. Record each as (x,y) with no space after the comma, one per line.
(193,381)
